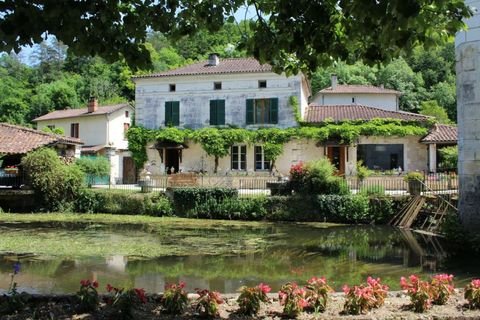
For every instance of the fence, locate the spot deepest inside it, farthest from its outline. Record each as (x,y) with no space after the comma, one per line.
(257,185)
(12,181)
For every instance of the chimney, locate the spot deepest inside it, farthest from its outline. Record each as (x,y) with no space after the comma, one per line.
(213,59)
(92,105)
(334,81)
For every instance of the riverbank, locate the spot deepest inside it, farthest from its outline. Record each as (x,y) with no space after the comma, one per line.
(396,307)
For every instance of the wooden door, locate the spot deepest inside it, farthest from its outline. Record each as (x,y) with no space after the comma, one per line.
(336,155)
(129,171)
(172,160)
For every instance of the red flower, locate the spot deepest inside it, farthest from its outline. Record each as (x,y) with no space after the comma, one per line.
(476,283)
(109,288)
(84,283)
(181,284)
(95,284)
(141,295)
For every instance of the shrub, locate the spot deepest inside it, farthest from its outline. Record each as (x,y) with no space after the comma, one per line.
(87,296)
(317,291)
(94,167)
(236,208)
(158,205)
(207,303)
(374,190)
(472,294)
(420,292)
(362,171)
(124,301)
(293,299)
(54,182)
(174,299)
(414,176)
(347,208)
(317,177)
(250,298)
(442,287)
(186,199)
(381,209)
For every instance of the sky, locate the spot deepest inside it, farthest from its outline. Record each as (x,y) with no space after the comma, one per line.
(27,51)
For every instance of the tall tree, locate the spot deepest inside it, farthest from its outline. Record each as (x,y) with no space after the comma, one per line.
(289,34)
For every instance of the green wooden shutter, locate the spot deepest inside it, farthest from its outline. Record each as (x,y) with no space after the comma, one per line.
(250,111)
(274,110)
(221,112)
(213,113)
(168,113)
(176,113)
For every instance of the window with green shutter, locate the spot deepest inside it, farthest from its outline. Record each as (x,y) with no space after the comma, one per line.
(172,113)
(262,111)
(217,112)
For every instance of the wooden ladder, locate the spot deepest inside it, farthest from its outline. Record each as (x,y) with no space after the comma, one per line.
(407,215)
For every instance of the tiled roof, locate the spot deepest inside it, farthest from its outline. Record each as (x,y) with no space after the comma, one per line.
(20,140)
(225,66)
(441,133)
(342,88)
(82,112)
(339,113)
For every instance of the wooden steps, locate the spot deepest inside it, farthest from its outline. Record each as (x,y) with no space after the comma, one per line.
(407,215)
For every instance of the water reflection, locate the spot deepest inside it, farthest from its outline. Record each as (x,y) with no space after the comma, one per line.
(275,254)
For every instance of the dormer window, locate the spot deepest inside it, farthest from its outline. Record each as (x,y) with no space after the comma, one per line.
(217,86)
(173,87)
(262,83)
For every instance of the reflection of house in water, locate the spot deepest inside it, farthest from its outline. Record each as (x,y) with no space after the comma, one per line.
(117,263)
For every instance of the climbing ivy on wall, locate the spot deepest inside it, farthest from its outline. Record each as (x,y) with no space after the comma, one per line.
(217,141)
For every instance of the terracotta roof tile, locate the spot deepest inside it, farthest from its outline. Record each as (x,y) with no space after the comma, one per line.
(441,133)
(342,88)
(225,66)
(20,140)
(82,112)
(339,113)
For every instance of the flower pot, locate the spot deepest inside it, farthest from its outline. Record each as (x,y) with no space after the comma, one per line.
(415,187)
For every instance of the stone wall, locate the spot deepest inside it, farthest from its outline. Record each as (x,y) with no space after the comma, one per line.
(467,45)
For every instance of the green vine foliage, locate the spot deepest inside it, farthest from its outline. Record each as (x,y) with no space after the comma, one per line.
(217,142)
(293,101)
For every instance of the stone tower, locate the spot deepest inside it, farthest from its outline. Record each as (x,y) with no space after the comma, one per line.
(467,51)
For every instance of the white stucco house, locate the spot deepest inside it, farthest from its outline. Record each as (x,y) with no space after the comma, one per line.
(102,129)
(243,93)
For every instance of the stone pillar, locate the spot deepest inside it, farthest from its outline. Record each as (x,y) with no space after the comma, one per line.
(467,52)
(432,157)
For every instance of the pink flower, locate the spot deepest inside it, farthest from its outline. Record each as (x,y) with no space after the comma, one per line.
(303,303)
(413,278)
(109,288)
(476,283)
(346,289)
(181,284)
(265,288)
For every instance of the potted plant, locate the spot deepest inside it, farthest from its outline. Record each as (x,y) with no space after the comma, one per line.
(415,182)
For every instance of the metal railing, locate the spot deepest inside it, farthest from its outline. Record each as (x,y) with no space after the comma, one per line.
(257,185)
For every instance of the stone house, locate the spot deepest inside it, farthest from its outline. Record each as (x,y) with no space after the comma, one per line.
(103,129)
(242,93)
(17,141)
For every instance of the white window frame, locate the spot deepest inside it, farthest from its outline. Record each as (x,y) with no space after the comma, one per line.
(237,157)
(263,162)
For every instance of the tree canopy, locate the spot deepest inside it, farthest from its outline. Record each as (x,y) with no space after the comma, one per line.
(290,35)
